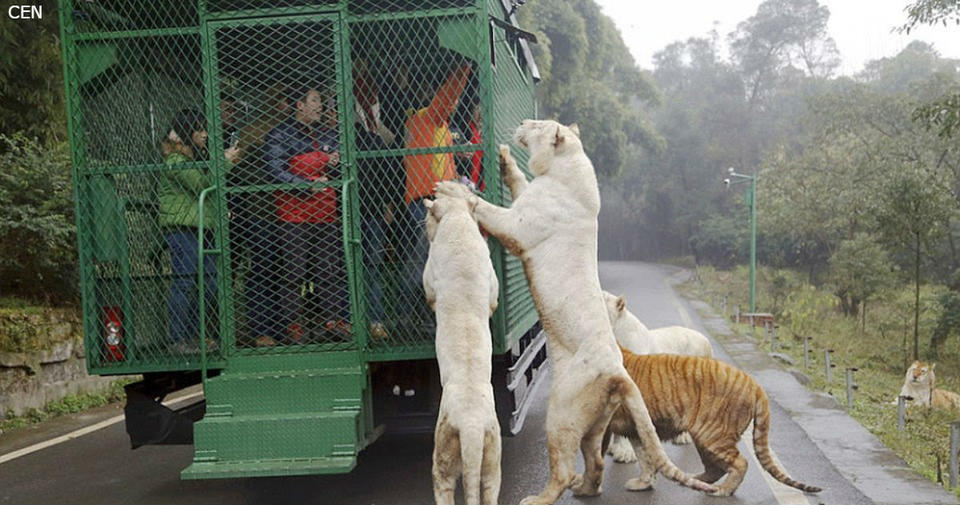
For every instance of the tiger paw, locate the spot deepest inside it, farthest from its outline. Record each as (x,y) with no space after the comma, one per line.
(583,490)
(622,451)
(535,500)
(683,439)
(637,484)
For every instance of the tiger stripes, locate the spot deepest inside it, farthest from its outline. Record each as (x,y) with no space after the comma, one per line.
(714,402)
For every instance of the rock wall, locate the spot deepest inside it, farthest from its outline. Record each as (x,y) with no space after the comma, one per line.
(42,359)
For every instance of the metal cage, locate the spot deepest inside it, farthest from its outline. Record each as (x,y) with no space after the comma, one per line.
(248,179)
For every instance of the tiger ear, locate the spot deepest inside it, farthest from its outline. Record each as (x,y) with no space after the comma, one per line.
(621,303)
(933,366)
(575,128)
(558,138)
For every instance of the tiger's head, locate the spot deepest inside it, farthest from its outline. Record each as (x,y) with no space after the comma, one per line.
(546,141)
(628,330)
(920,374)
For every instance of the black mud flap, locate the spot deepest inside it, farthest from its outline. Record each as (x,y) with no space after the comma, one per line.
(149,422)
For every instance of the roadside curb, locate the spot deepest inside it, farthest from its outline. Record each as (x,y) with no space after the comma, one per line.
(858,455)
(64,428)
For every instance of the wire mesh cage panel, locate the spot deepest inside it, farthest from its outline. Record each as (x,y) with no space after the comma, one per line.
(280,108)
(102,16)
(312,130)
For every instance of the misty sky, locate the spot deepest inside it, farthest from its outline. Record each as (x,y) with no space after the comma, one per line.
(861,28)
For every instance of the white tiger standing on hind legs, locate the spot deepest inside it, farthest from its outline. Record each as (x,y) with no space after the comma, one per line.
(635,337)
(461,287)
(552,228)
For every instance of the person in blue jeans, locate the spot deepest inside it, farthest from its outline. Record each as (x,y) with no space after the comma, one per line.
(380,182)
(179,217)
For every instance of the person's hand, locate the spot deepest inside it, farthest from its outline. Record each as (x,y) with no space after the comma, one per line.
(322,178)
(232,153)
(386,135)
(334,159)
(388,213)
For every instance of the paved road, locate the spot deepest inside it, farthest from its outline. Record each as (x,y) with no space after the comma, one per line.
(100,468)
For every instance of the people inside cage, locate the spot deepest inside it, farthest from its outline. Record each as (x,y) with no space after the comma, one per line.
(428,127)
(470,163)
(380,183)
(253,223)
(305,148)
(179,217)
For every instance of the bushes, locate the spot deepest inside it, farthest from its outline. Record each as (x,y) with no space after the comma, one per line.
(37,253)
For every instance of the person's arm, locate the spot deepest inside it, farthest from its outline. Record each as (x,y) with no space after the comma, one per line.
(188,178)
(443,103)
(277,157)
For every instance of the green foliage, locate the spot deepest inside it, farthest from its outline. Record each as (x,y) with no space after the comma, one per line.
(878,354)
(859,269)
(70,404)
(914,210)
(944,112)
(780,34)
(942,115)
(722,241)
(948,322)
(592,80)
(931,12)
(31,77)
(804,309)
(37,258)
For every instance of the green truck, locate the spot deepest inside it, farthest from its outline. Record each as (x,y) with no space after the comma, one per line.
(246,187)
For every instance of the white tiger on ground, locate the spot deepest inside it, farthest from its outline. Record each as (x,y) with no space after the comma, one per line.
(635,337)
(461,286)
(552,228)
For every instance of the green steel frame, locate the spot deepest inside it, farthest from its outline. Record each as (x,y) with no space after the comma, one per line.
(185,258)
(115,273)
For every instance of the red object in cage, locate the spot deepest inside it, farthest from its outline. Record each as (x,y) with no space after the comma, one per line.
(113,333)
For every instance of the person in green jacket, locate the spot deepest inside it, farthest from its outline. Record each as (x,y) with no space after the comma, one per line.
(179,217)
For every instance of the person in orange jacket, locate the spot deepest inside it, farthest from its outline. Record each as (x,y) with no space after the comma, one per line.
(428,127)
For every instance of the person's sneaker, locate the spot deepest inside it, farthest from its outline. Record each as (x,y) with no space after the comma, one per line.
(295,333)
(378,331)
(265,341)
(339,326)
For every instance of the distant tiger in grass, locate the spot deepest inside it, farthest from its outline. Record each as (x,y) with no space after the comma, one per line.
(714,402)
(920,384)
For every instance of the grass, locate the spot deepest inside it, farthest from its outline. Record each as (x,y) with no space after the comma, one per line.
(880,346)
(19,305)
(69,404)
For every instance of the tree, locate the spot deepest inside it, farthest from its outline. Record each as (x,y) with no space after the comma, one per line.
(944,112)
(37,256)
(860,268)
(913,212)
(780,34)
(931,12)
(593,80)
(31,77)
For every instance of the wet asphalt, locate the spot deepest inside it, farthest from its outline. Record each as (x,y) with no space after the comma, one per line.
(816,442)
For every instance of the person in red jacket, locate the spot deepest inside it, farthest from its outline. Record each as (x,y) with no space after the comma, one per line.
(305,148)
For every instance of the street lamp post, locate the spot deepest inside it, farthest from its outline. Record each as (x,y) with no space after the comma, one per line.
(752,196)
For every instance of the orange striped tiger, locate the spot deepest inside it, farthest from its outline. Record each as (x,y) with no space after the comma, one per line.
(714,402)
